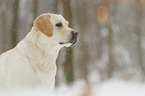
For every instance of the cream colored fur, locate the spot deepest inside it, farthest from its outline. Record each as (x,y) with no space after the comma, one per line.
(32,63)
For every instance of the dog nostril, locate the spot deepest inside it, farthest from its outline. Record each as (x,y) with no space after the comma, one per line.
(75,33)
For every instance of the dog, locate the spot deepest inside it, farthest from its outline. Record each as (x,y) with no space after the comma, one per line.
(32,63)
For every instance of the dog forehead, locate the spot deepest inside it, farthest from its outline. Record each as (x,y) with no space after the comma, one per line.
(58,18)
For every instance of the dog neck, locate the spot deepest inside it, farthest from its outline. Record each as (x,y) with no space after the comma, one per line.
(40,49)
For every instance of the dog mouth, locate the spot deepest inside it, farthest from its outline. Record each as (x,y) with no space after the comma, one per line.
(72,41)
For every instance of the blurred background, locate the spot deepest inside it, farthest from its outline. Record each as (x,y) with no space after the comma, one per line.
(111,40)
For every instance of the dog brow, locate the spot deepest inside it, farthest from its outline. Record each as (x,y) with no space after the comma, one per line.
(66,22)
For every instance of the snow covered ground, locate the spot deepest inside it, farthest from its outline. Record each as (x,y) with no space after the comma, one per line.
(120,88)
(109,88)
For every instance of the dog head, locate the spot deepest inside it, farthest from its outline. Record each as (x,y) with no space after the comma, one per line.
(56,27)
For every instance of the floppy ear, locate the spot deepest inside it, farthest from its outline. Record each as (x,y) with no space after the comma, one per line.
(44,25)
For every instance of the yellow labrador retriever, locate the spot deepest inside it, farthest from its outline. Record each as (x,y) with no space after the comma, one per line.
(32,62)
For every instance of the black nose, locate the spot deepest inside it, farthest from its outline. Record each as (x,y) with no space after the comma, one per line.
(75,33)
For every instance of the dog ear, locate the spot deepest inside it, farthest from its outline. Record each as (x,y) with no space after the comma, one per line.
(44,25)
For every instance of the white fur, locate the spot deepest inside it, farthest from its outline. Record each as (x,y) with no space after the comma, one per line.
(32,63)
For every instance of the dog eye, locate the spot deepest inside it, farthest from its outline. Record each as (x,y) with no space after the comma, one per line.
(59,25)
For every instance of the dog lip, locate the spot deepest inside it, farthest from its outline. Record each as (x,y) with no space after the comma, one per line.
(73,41)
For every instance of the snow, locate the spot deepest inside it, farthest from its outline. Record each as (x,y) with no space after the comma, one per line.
(79,88)
(120,88)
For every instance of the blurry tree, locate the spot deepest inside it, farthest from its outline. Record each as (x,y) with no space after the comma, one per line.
(81,54)
(68,64)
(103,17)
(14,29)
(9,17)
(35,9)
(139,19)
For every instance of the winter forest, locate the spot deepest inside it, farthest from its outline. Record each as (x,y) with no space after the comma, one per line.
(111,43)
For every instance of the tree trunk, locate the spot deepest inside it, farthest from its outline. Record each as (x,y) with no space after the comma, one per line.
(14,27)
(35,10)
(68,64)
(139,19)
(4,22)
